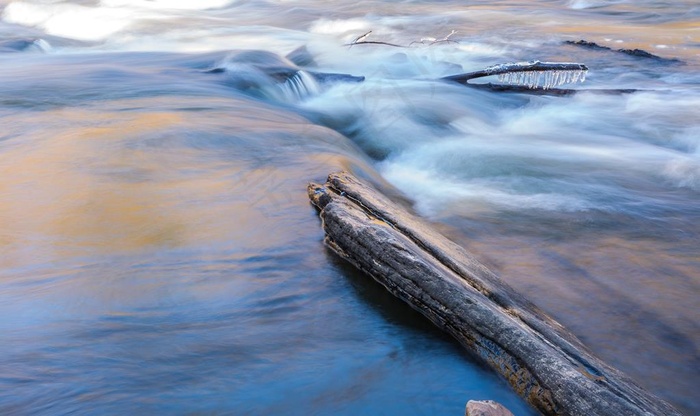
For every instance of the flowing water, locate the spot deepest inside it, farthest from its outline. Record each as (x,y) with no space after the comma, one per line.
(158,253)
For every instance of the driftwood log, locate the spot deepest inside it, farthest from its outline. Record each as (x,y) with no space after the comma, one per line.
(546,364)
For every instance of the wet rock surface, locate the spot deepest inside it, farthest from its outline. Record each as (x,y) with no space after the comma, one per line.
(486,408)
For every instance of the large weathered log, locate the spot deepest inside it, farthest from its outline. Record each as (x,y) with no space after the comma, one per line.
(542,361)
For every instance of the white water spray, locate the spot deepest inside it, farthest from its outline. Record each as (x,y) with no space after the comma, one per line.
(300,86)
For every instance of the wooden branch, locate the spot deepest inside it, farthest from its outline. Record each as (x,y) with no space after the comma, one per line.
(373,42)
(534,66)
(550,91)
(546,364)
(361,40)
(361,37)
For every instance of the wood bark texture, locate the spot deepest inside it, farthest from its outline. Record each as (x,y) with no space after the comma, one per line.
(543,362)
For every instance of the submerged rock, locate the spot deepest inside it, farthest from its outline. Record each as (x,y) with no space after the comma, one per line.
(639,53)
(21,45)
(486,408)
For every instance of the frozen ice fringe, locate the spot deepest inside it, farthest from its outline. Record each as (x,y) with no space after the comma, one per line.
(538,74)
(533,75)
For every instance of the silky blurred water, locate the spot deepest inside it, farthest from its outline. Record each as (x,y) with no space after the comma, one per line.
(158,253)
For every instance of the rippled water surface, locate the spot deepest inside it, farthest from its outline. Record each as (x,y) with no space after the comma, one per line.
(158,253)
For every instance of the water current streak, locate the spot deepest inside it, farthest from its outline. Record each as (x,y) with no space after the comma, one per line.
(299,86)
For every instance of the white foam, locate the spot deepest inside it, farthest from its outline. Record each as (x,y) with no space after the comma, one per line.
(69,20)
(97,23)
(481,49)
(565,155)
(340,26)
(591,4)
(684,172)
(438,195)
(582,4)
(168,4)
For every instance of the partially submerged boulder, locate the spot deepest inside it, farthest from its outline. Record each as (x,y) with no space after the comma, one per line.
(543,362)
(486,408)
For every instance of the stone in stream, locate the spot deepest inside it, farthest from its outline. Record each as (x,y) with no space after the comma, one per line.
(486,408)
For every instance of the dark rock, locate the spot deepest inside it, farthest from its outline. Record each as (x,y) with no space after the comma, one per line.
(21,45)
(330,78)
(644,54)
(301,57)
(638,53)
(586,44)
(16,45)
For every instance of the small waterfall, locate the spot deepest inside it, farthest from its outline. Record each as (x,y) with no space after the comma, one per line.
(300,86)
(42,45)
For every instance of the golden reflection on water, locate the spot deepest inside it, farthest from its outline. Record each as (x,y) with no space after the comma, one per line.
(647,37)
(626,299)
(86,185)
(623,26)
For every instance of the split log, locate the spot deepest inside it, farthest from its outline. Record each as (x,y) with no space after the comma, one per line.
(546,364)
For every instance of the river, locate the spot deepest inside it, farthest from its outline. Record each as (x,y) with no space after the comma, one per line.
(158,254)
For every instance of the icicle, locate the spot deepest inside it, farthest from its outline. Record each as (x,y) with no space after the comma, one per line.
(537,74)
(534,74)
(577,76)
(542,79)
(557,79)
(548,80)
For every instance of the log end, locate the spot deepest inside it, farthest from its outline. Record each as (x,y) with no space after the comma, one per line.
(318,195)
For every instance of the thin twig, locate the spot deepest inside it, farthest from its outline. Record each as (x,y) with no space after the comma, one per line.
(361,37)
(374,42)
(443,41)
(360,40)
(448,36)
